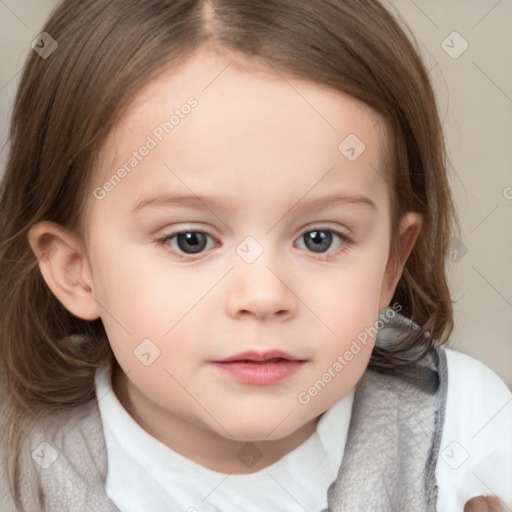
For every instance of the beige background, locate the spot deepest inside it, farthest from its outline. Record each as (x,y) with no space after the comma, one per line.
(475,97)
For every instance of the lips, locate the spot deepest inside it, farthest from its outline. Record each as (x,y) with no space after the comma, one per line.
(259,357)
(259,368)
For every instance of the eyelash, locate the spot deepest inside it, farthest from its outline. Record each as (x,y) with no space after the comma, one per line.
(346,242)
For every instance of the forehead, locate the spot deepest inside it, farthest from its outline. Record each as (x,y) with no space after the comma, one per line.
(252,126)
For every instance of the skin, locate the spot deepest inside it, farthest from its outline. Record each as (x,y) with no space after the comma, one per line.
(483,504)
(262,143)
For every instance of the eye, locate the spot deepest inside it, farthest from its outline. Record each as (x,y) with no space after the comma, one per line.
(188,241)
(319,239)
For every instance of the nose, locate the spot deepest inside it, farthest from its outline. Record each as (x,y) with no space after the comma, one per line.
(261,289)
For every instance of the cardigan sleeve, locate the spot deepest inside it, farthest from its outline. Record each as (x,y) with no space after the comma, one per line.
(26,483)
(63,465)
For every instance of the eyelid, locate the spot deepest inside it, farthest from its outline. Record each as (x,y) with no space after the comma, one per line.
(319,227)
(327,256)
(343,231)
(346,241)
(162,241)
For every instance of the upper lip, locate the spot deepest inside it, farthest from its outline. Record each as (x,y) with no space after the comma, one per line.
(253,355)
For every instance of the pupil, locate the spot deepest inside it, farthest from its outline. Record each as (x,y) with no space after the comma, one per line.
(321,240)
(195,242)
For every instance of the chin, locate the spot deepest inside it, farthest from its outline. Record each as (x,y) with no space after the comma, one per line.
(258,429)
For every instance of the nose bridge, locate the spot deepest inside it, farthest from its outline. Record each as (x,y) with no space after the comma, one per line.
(260,285)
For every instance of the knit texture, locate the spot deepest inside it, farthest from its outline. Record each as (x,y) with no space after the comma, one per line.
(393,441)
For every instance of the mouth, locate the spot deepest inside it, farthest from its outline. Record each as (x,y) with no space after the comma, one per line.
(259,368)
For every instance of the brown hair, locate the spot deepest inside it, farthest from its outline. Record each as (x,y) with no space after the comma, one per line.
(67,105)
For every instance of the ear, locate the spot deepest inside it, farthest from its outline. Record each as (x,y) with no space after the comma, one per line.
(409,230)
(65,268)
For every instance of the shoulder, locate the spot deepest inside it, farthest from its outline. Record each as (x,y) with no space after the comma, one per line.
(479,403)
(472,381)
(48,460)
(75,433)
(476,446)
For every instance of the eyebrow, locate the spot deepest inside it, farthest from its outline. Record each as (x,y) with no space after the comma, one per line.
(311,205)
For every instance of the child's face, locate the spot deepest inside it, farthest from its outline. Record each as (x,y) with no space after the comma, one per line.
(259,146)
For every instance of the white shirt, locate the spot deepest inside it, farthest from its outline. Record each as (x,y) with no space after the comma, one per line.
(475,456)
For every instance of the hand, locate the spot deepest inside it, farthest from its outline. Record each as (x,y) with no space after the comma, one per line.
(484,504)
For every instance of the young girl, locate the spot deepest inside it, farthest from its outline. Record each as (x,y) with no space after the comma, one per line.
(222,270)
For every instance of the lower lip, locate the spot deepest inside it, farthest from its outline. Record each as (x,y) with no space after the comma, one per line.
(259,374)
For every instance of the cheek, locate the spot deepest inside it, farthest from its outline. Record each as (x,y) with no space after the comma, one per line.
(348,307)
(148,308)
(126,280)
(351,294)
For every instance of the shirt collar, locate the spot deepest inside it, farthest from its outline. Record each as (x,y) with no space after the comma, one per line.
(142,471)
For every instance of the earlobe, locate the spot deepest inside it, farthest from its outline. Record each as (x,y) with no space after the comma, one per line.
(65,268)
(409,230)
